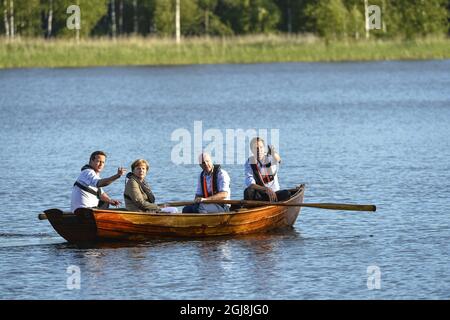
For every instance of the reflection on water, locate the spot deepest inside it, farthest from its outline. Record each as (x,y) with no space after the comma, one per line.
(353,132)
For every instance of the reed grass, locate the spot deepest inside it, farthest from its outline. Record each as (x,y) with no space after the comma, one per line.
(22,53)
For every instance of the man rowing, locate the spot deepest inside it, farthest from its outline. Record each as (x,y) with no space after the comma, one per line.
(261,174)
(213,184)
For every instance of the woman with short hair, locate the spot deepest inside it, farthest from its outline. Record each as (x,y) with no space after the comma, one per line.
(138,194)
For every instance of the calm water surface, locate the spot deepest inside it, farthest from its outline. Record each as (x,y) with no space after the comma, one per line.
(353,132)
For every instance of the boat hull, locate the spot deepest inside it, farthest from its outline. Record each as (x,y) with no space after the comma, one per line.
(72,227)
(96,224)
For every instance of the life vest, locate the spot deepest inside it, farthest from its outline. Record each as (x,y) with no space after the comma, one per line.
(86,188)
(204,185)
(101,203)
(261,179)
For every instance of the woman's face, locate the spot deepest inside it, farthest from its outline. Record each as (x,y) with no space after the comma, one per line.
(140,171)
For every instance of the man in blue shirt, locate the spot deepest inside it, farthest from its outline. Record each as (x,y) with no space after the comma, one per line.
(213,184)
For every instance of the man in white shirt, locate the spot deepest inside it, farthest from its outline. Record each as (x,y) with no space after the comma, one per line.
(261,174)
(87,191)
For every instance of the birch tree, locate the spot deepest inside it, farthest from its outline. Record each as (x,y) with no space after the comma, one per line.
(113,18)
(177,21)
(135,17)
(50,19)
(121,17)
(208,7)
(5,17)
(11,19)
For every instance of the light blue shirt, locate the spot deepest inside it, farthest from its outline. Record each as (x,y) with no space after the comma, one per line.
(223,184)
(272,170)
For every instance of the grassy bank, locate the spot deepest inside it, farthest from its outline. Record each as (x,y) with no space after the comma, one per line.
(251,49)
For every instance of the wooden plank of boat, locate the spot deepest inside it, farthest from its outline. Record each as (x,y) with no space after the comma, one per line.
(132,225)
(96,224)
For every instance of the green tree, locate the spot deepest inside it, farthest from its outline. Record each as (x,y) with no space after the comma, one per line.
(356,22)
(207,6)
(212,25)
(330,17)
(265,16)
(412,18)
(197,17)
(235,14)
(422,17)
(28,18)
(24,16)
(293,17)
(135,17)
(190,16)
(6,23)
(91,12)
(250,16)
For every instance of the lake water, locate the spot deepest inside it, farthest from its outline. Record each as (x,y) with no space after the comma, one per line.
(374,132)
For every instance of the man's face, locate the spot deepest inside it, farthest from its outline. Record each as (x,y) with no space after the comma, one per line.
(98,163)
(207,164)
(258,150)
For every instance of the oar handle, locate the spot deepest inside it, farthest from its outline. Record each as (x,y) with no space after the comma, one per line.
(42,216)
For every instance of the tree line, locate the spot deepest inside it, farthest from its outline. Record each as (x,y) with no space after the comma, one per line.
(331,19)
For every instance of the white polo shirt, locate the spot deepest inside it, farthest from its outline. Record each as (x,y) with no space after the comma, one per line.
(81,198)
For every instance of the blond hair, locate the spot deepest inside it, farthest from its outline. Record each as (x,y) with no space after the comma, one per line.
(138,163)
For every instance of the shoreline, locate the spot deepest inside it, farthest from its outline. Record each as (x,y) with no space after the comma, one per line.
(118,66)
(128,52)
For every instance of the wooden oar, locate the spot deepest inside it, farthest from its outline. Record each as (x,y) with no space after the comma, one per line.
(329,206)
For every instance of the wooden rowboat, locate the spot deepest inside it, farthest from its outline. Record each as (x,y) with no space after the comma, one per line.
(93,224)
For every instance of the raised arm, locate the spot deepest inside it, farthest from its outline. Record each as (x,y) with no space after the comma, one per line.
(107,181)
(274,153)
